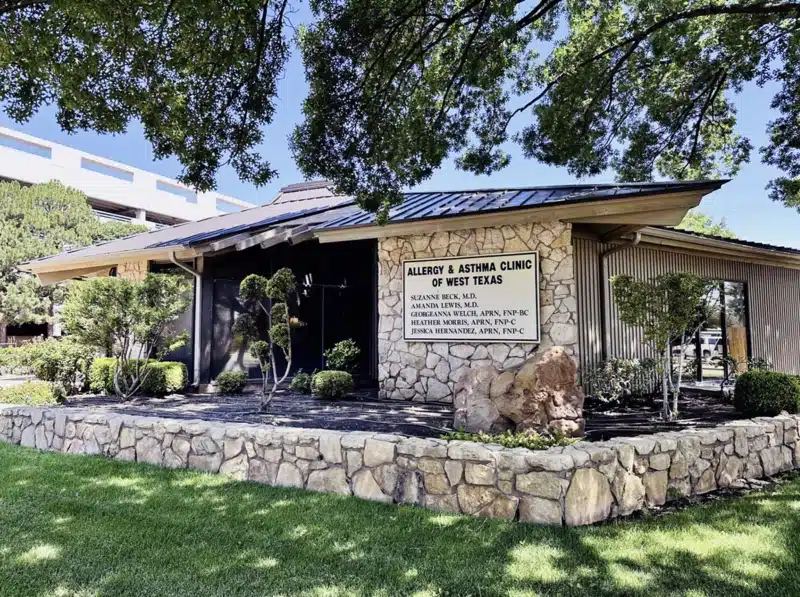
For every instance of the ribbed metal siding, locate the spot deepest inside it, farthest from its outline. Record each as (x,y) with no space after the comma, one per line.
(773,295)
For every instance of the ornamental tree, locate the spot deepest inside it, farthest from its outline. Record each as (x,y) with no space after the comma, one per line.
(133,318)
(665,308)
(270,297)
(37,221)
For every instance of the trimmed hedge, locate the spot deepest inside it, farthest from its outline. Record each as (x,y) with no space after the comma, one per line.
(766,393)
(231,382)
(165,377)
(33,393)
(332,384)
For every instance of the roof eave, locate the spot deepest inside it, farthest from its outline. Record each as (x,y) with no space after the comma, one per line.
(722,249)
(61,263)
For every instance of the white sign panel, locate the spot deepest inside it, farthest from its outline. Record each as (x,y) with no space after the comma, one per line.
(482,298)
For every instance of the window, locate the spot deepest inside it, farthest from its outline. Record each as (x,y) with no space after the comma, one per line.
(226,207)
(106,170)
(722,341)
(26,146)
(167,187)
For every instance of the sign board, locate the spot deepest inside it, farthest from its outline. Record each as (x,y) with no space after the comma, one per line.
(481,298)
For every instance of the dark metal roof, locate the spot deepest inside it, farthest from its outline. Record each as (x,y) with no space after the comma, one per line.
(204,237)
(421,206)
(736,241)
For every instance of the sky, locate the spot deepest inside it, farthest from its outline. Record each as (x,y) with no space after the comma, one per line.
(743,202)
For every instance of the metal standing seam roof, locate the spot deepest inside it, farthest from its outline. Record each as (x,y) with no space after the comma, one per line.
(297,202)
(204,237)
(206,229)
(420,205)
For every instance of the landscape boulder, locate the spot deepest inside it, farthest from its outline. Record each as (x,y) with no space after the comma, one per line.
(541,394)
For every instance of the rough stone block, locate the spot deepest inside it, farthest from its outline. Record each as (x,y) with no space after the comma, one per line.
(540,511)
(588,499)
(332,480)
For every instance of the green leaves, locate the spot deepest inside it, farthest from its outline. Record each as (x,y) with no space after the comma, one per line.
(663,307)
(640,88)
(253,288)
(37,221)
(132,320)
(396,88)
(199,76)
(695,221)
(281,285)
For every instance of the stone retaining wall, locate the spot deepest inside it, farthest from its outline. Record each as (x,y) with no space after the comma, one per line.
(581,484)
(425,371)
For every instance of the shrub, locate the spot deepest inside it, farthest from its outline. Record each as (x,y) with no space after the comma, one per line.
(231,382)
(33,393)
(101,375)
(60,361)
(165,377)
(766,393)
(10,361)
(511,439)
(617,379)
(332,384)
(130,319)
(301,382)
(343,356)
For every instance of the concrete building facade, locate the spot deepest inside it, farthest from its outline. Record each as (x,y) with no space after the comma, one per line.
(116,191)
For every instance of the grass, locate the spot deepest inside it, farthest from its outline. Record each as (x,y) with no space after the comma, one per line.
(80,526)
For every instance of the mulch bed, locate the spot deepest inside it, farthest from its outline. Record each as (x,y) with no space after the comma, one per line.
(641,416)
(360,412)
(364,412)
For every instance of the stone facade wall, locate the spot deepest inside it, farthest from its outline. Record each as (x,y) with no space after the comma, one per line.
(424,371)
(580,484)
(133,270)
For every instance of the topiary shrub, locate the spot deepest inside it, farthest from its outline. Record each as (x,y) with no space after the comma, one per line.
(343,356)
(164,377)
(332,384)
(767,393)
(33,393)
(301,382)
(231,382)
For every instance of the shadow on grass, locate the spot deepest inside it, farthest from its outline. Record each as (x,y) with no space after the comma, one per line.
(72,525)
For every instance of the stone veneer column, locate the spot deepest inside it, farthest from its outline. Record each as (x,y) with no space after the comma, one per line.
(133,270)
(423,371)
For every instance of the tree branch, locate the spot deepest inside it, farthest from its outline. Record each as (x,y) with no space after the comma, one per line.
(8,8)
(757,8)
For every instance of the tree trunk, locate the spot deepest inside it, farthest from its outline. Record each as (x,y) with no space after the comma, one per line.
(3,333)
(676,394)
(665,372)
(266,397)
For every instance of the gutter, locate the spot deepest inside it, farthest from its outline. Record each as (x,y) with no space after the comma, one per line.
(605,292)
(198,310)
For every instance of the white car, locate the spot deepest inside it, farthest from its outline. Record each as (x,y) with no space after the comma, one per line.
(710,346)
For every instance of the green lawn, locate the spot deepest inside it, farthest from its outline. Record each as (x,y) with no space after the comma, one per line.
(79,526)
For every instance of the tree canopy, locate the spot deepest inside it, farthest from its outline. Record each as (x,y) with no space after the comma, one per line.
(36,221)
(641,88)
(696,221)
